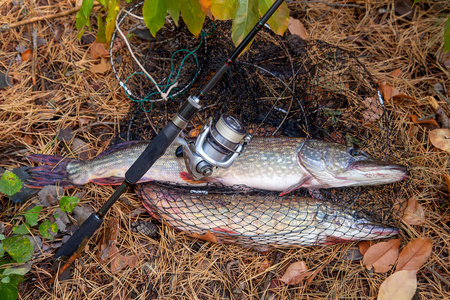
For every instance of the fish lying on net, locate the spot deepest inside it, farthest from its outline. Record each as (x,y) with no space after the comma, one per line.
(276,164)
(260,220)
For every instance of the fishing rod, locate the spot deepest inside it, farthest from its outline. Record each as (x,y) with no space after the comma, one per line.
(218,145)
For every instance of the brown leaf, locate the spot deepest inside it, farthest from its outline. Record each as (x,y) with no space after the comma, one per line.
(118,262)
(102,67)
(263,266)
(296,27)
(98,50)
(386,90)
(364,246)
(208,236)
(447,180)
(440,138)
(26,55)
(414,255)
(413,214)
(396,73)
(399,286)
(295,273)
(416,120)
(373,110)
(382,256)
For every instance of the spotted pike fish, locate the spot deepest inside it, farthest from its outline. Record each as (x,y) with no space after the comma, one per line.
(277,164)
(259,221)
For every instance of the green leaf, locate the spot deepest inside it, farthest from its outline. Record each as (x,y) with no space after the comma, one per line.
(10,183)
(22,229)
(32,215)
(173,7)
(193,16)
(68,203)
(9,291)
(19,248)
(21,270)
(154,13)
(45,226)
(447,36)
(279,20)
(86,7)
(224,9)
(6,279)
(2,237)
(2,251)
(101,37)
(245,19)
(416,1)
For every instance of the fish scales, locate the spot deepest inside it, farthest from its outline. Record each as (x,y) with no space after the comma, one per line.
(261,220)
(275,164)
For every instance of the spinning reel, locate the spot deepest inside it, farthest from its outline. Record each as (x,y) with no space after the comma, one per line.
(217,145)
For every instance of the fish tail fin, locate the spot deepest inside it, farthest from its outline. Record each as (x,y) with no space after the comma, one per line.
(52,173)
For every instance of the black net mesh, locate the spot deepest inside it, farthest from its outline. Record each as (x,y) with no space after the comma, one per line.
(280,86)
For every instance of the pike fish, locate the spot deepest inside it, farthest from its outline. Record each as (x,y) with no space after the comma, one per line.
(260,221)
(276,164)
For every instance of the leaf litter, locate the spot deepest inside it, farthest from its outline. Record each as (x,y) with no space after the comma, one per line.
(389,45)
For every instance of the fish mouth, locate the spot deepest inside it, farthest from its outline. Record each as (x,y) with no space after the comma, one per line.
(378,229)
(367,166)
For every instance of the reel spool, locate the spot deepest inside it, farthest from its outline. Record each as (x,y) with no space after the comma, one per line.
(217,145)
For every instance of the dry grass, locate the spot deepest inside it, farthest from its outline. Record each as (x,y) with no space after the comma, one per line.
(174,266)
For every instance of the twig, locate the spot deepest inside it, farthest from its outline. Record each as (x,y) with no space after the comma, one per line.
(438,275)
(42,18)
(276,259)
(442,116)
(70,260)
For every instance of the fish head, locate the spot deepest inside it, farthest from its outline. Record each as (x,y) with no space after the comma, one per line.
(337,165)
(340,224)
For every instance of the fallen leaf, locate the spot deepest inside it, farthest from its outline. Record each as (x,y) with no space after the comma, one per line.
(414,255)
(373,110)
(440,138)
(447,180)
(26,55)
(396,73)
(314,274)
(118,262)
(399,286)
(416,120)
(382,256)
(413,213)
(364,246)
(208,236)
(296,27)
(98,50)
(388,92)
(295,273)
(263,266)
(102,67)
(404,8)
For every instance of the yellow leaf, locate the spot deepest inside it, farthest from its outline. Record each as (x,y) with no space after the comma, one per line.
(399,286)
(414,255)
(382,256)
(440,138)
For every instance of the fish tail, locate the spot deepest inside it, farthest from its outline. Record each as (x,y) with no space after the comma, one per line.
(52,173)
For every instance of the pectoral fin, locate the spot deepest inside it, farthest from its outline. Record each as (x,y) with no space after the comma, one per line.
(191,180)
(303,180)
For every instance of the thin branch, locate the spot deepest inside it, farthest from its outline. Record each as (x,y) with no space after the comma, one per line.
(37,19)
